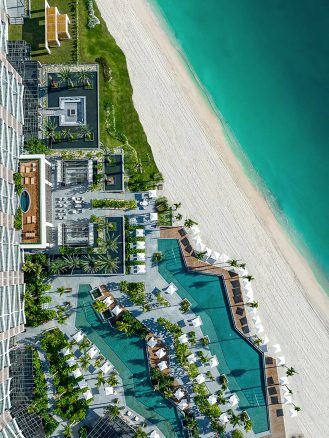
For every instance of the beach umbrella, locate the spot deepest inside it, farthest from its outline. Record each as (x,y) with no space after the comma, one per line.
(243,272)
(78,337)
(171,289)
(212,399)
(207,254)
(108,301)
(92,352)
(183,404)
(197,239)
(153,217)
(140,244)
(276,348)
(109,390)
(152,342)
(140,232)
(117,310)
(106,367)
(223,258)
(200,378)
(82,384)
(233,400)
(71,362)
(152,194)
(141,269)
(194,230)
(234,269)
(77,373)
(259,328)
(287,399)
(214,256)
(256,320)
(285,390)
(162,365)
(252,310)
(191,358)
(213,362)
(293,413)
(200,247)
(161,352)
(179,394)
(87,395)
(284,380)
(265,340)
(183,339)
(66,351)
(247,287)
(224,418)
(154,434)
(281,361)
(197,322)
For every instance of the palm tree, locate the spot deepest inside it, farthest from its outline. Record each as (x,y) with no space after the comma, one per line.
(84,344)
(200,255)
(57,267)
(100,379)
(88,264)
(234,419)
(68,431)
(297,408)
(61,290)
(223,381)
(99,306)
(257,341)
(248,277)
(66,134)
(290,371)
(113,380)
(140,433)
(244,416)
(113,410)
(221,400)
(189,223)
(84,77)
(253,304)
(177,205)
(65,76)
(234,263)
(242,265)
(71,262)
(139,166)
(112,242)
(61,318)
(167,392)
(179,217)
(107,264)
(84,362)
(84,131)
(49,131)
(125,327)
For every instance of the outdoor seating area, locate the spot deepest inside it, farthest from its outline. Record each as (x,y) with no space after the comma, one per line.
(157,353)
(114,173)
(67,205)
(111,310)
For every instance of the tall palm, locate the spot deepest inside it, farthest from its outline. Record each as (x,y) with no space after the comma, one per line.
(248,277)
(189,223)
(99,306)
(84,77)
(125,327)
(107,264)
(84,362)
(50,131)
(234,419)
(61,318)
(65,76)
(113,380)
(253,304)
(88,264)
(113,410)
(112,242)
(71,262)
(290,371)
(100,380)
(61,290)
(257,341)
(66,134)
(67,431)
(57,267)
(234,263)
(140,433)
(84,344)
(84,131)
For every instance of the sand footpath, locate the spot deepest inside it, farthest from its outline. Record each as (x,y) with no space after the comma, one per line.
(201,172)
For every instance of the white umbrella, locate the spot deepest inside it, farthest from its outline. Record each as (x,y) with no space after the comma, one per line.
(162,365)
(140,256)
(194,229)
(287,399)
(108,301)
(141,269)
(92,352)
(71,361)
(106,367)
(171,289)
(197,239)
(207,254)
(224,418)
(214,256)
(152,342)
(87,395)
(252,310)
(82,384)
(140,244)
(200,247)
(259,328)
(284,380)
(140,232)
(250,298)
(223,258)
(183,404)
(117,310)
(109,390)
(77,373)
(212,399)
(78,336)
(246,285)
(183,339)
(293,413)
(191,358)
(200,378)
(197,322)
(160,353)
(153,217)
(256,320)
(233,400)
(285,390)
(66,351)
(179,394)
(265,340)
(276,348)
(152,194)
(243,272)
(154,434)
(213,362)
(281,361)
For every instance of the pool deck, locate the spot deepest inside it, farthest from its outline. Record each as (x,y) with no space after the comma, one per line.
(274,401)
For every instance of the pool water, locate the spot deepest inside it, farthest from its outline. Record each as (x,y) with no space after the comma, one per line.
(25,201)
(238,359)
(128,356)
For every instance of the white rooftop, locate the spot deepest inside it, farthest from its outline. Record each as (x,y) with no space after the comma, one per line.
(171,289)
(106,367)
(200,378)
(179,394)
(152,342)
(160,353)
(162,365)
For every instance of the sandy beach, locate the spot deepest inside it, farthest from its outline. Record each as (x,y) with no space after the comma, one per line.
(201,171)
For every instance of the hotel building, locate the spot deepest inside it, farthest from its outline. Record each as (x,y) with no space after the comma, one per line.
(11,258)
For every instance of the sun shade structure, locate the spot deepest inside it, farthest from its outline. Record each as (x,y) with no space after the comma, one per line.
(161,353)
(212,399)
(252,310)
(179,394)
(117,310)
(152,194)
(200,378)
(213,362)
(138,269)
(223,258)
(276,348)
(183,404)
(108,301)
(233,400)
(66,351)
(259,328)
(153,217)
(152,342)
(77,373)
(284,380)
(191,358)
(224,418)
(281,361)
(71,362)
(171,289)
(162,365)
(287,400)
(140,244)
(183,339)
(154,434)
(109,390)
(194,230)
(92,352)
(265,340)
(140,232)
(78,337)
(197,239)
(293,413)
(106,367)
(214,256)
(200,247)
(207,254)
(88,395)
(197,322)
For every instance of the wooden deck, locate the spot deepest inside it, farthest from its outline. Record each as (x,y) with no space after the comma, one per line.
(31,229)
(238,310)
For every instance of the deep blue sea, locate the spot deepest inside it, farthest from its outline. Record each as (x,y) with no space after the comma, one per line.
(265,65)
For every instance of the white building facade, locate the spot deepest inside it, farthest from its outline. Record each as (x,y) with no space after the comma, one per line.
(11,258)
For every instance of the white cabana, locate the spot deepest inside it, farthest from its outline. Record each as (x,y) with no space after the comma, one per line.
(179,394)
(233,400)
(200,378)
(276,348)
(140,244)
(284,380)
(265,340)
(223,258)
(196,240)
(224,418)
(281,361)
(106,367)
(214,256)
(234,269)
(212,399)
(153,217)
(197,322)
(154,434)
(183,404)
(171,289)
(152,342)
(152,194)
(191,358)
(71,362)
(256,320)
(259,328)
(252,310)
(140,232)
(117,310)
(109,390)
(162,365)
(92,352)
(140,256)
(108,301)
(200,247)
(250,294)
(183,339)
(139,269)
(82,384)
(247,285)
(287,399)
(194,230)
(66,351)
(213,362)
(88,395)
(293,413)
(207,254)
(243,272)
(78,336)
(77,373)
(161,353)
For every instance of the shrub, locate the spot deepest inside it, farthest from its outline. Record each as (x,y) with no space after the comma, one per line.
(18,182)
(107,75)
(92,19)
(36,146)
(113,203)
(184,306)
(161,204)
(171,327)
(18,220)
(135,291)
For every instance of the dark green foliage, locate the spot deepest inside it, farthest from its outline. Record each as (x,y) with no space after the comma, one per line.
(113,203)
(18,182)
(18,220)
(36,146)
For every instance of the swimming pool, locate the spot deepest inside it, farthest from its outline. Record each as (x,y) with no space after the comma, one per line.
(238,359)
(25,201)
(129,358)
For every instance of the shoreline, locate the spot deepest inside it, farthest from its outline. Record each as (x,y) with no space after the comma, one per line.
(182,128)
(246,167)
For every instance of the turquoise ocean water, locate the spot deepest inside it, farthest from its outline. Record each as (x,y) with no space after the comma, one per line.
(265,66)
